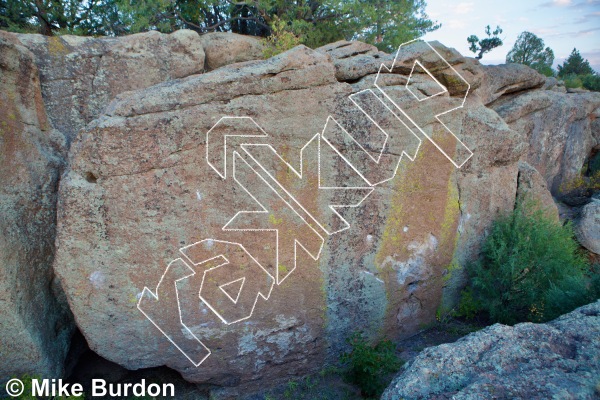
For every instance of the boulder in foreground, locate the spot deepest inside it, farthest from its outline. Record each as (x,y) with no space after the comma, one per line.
(560,359)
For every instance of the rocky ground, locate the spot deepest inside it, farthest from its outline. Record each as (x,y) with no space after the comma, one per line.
(560,359)
(327,384)
(451,359)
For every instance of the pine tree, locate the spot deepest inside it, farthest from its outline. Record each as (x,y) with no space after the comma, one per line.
(482,46)
(575,65)
(389,23)
(386,23)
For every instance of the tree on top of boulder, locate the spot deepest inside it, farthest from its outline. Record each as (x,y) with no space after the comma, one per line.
(388,23)
(482,46)
(50,17)
(529,50)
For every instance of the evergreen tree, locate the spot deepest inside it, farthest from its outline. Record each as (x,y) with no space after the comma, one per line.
(529,50)
(50,17)
(386,23)
(482,46)
(16,16)
(575,65)
(389,23)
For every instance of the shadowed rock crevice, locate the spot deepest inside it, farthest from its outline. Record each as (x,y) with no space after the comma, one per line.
(82,365)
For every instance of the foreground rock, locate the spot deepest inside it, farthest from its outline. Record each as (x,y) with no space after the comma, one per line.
(35,324)
(560,358)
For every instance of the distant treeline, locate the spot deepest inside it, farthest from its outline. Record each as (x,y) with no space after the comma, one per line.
(385,23)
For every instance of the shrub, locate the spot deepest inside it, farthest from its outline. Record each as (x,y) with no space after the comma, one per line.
(281,39)
(573,81)
(544,69)
(591,82)
(573,292)
(367,364)
(468,306)
(27,381)
(531,269)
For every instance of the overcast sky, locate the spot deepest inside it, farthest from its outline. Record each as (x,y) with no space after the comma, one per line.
(562,24)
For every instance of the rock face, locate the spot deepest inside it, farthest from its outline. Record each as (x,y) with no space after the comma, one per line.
(81,75)
(35,327)
(560,358)
(587,227)
(224,48)
(531,186)
(170,229)
(141,167)
(141,171)
(561,130)
(501,80)
(162,191)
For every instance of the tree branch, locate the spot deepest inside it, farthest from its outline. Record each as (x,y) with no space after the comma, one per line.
(225,21)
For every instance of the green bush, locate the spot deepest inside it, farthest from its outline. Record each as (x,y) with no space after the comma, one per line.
(573,292)
(368,365)
(282,39)
(544,69)
(468,306)
(573,81)
(591,82)
(531,269)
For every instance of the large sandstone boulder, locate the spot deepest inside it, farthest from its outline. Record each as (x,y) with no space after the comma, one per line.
(140,187)
(81,75)
(157,189)
(587,226)
(526,361)
(35,325)
(141,172)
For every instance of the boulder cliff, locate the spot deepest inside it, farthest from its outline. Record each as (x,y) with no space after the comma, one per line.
(155,183)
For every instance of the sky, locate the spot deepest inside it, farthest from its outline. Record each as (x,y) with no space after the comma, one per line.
(562,24)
